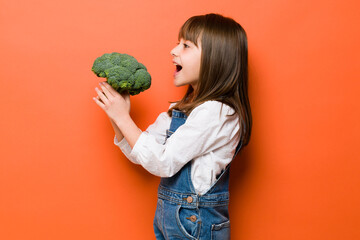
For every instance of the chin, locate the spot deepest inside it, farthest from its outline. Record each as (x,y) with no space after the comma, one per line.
(178,84)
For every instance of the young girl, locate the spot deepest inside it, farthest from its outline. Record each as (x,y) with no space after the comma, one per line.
(192,144)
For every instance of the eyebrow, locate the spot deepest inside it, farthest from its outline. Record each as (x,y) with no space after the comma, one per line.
(188,41)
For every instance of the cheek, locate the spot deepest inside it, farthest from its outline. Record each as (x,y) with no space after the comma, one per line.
(198,67)
(198,62)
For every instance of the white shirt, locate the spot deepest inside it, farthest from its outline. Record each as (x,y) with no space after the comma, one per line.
(208,138)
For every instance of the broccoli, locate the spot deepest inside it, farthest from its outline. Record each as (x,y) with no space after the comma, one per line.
(123,72)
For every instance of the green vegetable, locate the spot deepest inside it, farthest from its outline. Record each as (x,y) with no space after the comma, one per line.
(123,72)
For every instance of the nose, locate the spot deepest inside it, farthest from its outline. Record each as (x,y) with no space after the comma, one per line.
(173,52)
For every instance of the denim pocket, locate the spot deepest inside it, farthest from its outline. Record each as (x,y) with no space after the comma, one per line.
(188,222)
(220,231)
(159,213)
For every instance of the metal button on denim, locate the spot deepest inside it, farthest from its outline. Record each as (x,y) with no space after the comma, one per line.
(189,199)
(193,218)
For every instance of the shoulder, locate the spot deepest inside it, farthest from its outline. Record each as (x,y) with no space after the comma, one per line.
(213,114)
(213,108)
(171,105)
(215,120)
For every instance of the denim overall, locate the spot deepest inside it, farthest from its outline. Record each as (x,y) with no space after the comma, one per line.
(183,214)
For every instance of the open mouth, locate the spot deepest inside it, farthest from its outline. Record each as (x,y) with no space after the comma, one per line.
(178,68)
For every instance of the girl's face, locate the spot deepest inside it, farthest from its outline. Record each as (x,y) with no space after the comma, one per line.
(186,58)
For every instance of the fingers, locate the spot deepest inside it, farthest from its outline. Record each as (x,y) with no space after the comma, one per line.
(99,102)
(107,97)
(107,89)
(98,98)
(103,98)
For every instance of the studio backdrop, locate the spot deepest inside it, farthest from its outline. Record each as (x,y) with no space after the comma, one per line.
(61,176)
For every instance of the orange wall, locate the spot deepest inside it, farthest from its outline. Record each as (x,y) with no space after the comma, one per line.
(61,177)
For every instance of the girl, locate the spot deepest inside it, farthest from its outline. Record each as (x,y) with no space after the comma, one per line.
(192,144)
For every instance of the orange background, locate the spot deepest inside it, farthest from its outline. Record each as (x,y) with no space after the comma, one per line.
(61,177)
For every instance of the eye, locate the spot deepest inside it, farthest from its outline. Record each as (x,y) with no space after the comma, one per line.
(186,46)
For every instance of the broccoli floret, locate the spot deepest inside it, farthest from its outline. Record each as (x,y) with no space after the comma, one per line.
(123,72)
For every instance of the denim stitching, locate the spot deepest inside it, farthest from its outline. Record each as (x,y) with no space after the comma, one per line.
(181,227)
(199,202)
(182,194)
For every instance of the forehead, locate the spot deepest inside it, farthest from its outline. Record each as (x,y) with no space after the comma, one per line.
(191,31)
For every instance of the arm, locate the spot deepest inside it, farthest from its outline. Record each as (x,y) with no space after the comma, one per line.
(157,129)
(208,128)
(129,129)
(117,131)
(117,107)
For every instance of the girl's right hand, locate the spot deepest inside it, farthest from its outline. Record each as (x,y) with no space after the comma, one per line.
(115,105)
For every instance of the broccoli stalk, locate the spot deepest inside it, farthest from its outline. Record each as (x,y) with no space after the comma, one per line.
(123,72)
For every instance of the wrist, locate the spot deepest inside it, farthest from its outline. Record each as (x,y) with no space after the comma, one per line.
(122,120)
(128,129)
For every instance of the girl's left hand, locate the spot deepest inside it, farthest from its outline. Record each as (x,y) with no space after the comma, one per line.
(115,105)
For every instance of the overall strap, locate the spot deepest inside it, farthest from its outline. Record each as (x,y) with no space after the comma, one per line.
(181,181)
(178,118)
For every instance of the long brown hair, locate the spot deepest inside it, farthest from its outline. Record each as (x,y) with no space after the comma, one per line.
(223,69)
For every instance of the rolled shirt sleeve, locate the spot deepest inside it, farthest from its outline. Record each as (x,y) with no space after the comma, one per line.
(157,130)
(125,148)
